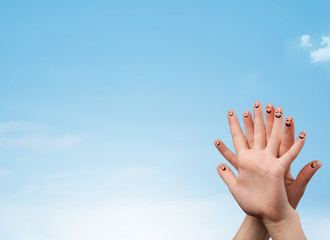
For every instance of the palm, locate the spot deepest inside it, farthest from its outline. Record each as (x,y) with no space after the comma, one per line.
(260,184)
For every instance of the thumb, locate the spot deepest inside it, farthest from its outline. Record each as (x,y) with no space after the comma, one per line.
(306,174)
(226,153)
(227,176)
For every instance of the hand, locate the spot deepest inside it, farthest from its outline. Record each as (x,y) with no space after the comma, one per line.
(295,188)
(260,187)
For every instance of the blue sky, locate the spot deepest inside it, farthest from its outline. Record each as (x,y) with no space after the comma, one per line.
(109,110)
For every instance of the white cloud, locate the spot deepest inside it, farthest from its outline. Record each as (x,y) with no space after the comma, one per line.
(323,53)
(33,135)
(305,41)
(210,218)
(316,227)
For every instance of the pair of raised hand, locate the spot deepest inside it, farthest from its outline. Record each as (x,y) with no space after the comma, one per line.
(264,187)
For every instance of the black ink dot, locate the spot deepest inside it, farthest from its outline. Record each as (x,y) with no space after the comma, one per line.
(312,165)
(224,169)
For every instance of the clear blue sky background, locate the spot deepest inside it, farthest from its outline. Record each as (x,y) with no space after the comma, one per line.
(115,101)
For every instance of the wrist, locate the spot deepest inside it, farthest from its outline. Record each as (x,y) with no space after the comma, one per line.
(252,228)
(286,228)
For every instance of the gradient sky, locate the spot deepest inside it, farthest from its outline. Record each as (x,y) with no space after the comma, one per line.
(109,110)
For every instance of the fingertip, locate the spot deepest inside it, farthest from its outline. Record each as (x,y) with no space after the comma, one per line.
(269,108)
(217,142)
(302,135)
(222,167)
(231,113)
(257,105)
(278,112)
(246,114)
(316,164)
(289,121)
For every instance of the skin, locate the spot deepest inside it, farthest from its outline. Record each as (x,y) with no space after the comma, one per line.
(270,112)
(256,105)
(302,135)
(275,147)
(230,113)
(278,112)
(269,108)
(288,121)
(315,164)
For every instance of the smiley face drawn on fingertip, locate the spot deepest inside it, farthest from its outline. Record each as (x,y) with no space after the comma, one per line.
(218,142)
(246,114)
(223,167)
(315,164)
(231,113)
(257,105)
(278,112)
(288,121)
(302,135)
(269,108)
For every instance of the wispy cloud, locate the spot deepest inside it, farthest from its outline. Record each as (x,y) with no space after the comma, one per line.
(210,218)
(323,53)
(316,226)
(34,135)
(305,41)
